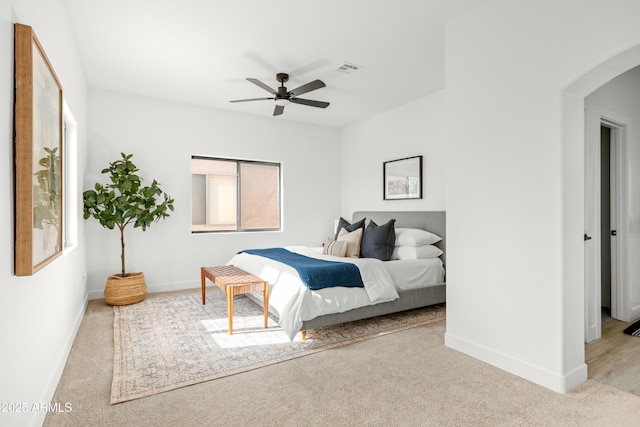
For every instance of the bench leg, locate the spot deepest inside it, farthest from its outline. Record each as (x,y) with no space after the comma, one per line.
(230,309)
(202,279)
(266,305)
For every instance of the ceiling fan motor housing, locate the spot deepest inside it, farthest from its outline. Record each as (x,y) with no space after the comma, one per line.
(282,90)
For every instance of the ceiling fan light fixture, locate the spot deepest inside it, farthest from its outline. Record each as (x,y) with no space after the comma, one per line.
(282,102)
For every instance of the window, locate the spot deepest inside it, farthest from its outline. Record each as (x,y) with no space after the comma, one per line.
(234,195)
(69,179)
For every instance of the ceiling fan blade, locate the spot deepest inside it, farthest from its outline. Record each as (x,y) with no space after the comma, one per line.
(252,99)
(278,110)
(316,84)
(262,85)
(309,102)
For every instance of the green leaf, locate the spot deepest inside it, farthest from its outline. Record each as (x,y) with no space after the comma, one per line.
(124,200)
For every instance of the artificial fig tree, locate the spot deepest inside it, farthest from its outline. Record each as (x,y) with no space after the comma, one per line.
(125,201)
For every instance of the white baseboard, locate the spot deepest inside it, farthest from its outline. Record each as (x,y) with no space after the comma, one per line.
(162,287)
(558,383)
(61,361)
(176,286)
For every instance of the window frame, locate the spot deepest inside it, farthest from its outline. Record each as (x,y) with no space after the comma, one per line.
(238,162)
(70,181)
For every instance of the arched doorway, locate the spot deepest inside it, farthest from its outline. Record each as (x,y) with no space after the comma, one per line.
(577,299)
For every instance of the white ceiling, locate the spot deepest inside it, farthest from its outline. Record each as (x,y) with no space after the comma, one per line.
(201,51)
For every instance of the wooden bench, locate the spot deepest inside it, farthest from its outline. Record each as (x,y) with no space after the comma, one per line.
(235,281)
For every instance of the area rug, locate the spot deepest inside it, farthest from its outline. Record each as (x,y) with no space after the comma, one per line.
(172,341)
(634,329)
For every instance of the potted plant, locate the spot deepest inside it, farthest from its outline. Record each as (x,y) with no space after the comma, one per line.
(119,203)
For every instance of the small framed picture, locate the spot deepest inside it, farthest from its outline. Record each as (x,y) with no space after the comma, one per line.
(402,178)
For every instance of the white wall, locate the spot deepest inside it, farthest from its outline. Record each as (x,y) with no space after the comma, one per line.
(622,97)
(39,314)
(163,136)
(515,190)
(416,128)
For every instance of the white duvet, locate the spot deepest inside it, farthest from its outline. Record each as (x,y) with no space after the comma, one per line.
(294,303)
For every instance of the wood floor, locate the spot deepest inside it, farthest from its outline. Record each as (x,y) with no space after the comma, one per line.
(614,359)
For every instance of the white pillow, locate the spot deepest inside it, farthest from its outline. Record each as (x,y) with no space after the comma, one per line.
(416,252)
(415,237)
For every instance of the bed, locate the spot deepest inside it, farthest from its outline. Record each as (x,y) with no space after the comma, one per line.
(390,286)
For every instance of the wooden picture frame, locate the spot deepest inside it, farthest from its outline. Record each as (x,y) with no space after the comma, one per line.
(402,178)
(38,130)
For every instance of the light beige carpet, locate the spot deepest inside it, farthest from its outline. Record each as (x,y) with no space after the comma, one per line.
(174,341)
(403,379)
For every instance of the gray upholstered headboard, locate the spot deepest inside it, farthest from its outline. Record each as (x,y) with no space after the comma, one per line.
(433,221)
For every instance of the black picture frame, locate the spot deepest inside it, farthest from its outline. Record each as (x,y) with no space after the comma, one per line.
(402,178)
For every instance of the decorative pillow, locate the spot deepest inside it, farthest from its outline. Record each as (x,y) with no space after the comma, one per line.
(343,223)
(415,237)
(335,248)
(353,241)
(378,241)
(416,252)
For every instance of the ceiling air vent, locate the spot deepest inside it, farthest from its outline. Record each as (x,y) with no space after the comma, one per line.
(348,68)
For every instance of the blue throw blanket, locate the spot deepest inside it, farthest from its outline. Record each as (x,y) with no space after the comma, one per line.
(315,273)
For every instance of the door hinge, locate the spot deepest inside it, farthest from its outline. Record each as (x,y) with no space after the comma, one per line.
(614,233)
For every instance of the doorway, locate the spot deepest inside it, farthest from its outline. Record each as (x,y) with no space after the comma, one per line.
(607,223)
(606,290)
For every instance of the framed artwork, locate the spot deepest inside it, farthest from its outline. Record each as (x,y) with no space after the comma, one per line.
(402,178)
(38,156)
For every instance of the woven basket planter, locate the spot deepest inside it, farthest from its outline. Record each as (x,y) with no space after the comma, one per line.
(126,290)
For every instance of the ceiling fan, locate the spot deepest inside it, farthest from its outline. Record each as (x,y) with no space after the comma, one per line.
(284,97)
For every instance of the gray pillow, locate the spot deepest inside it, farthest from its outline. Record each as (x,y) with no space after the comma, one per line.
(343,223)
(378,241)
